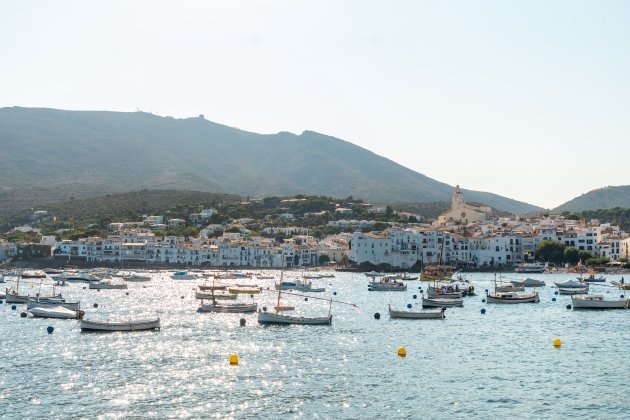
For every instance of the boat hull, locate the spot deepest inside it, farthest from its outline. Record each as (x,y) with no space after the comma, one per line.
(57,313)
(210,296)
(236,308)
(533,298)
(440,303)
(73,306)
(598,304)
(268,318)
(416,315)
(107,286)
(572,291)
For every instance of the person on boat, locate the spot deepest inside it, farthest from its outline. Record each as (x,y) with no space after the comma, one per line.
(622,280)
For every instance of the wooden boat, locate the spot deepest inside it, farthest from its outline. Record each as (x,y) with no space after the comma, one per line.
(12,296)
(33,274)
(591,279)
(597,302)
(107,285)
(204,287)
(386,284)
(231,308)
(284,308)
(45,303)
(301,287)
(441,302)
(512,297)
(416,315)
(509,287)
(573,291)
(327,276)
(246,291)
(269,318)
(407,277)
(217,296)
(59,313)
(127,325)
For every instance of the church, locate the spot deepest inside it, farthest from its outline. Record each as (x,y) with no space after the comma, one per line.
(462,212)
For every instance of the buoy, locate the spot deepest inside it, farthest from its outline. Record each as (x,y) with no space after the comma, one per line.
(409,305)
(251,296)
(182,297)
(486,290)
(96,305)
(23,314)
(557,342)
(267,288)
(370,289)
(377,316)
(98,290)
(13,307)
(553,299)
(555,293)
(199,309)
(305,299)
(0,302)
(621,296)
(415,296)
(50,330)
(242,322)
(483,301)
(83,287)
(483,310)
(568,306)
(234,359)
(421,291)
(265,308)
(127,293)
(335,293)
(144,287)
(402,352)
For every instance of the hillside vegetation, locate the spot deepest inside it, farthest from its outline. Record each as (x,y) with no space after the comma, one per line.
(45,148)
(602,198)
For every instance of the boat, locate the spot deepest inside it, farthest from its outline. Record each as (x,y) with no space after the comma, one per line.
(107,285)
(447,291)
(206,287)
(45,303)
(372,274)
(407,277)
(300,287)
(512,297)
(573,291)
(217,296)
(229,307)
(530,268)
(528,282)
(250,286)
(182,275)
(12,296)
(327,276)
(416,315)
(592,279)
(58,312)
(33,274)
(284,308)
(509,287)
(79,278)
(597,302)
(434,273)
(286,285)
(385,284)
(127,325)
(247,291)
(265,277)
(440,302)
(570,284)
(137,278)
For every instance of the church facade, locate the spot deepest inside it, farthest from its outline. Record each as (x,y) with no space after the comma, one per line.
(463,213)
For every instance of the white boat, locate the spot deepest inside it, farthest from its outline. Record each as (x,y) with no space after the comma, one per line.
(528,283)
(182,275)
(416,315)
(265,277)
(386,284)
(206,287)
(407,277)
(531,268)
(573,291)
(286,285)
(217,296)
(79,278)
(12,296)
(509,287)
(512,297)
(129,325)
(269,318)
(444,292)
(107,285)
(372,274)
(60,313)
(44,303)
(230,308)
(570,284)
(33,274)
(597,302)
(138,278)
(439,303)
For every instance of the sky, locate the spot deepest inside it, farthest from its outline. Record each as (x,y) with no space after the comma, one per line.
(526,99)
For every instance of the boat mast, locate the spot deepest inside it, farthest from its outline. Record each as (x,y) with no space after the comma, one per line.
(495,283)
(280,288)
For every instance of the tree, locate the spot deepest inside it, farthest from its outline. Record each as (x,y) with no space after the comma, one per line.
(584,255)
(190,232)
(234,229)
(573,216)
(552,251)
(597,261)
(571,255)
(296,259)
(324,258)
(389,211)
(159,233)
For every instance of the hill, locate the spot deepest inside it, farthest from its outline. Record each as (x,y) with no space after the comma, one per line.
(45,148)
(602,198)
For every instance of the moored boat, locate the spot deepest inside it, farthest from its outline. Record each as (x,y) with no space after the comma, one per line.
(592,279)
(45,303)
(107,285)
(123,325)
(229,307)
(416,314)
(512,297)
(570,284)
(597,302)
(386,284)
(573,291)
(269,318)
(441,302)
(206,287)
(33,274)
(528,282)
(59,313)
(217,296)
(182,275)
(248,291)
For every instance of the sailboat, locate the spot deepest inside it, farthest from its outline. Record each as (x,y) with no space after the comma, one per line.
(226,307)
(510,297)
(278,318)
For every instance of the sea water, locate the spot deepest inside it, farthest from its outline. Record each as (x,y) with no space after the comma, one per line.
(501,364)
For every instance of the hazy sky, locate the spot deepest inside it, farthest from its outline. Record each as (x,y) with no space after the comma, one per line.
(525,99)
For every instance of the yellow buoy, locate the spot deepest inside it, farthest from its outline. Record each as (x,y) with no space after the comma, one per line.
(402,352)
(234,359)
(557,342)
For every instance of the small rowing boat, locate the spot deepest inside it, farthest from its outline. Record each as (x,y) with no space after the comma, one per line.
(128,325)
(416,315)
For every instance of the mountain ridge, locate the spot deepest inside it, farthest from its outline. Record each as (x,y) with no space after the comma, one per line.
(600,198)
(128,151)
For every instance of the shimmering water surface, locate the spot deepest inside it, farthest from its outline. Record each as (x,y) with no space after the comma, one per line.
(498,365)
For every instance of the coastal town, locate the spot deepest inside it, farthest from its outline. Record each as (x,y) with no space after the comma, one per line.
(467,235)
